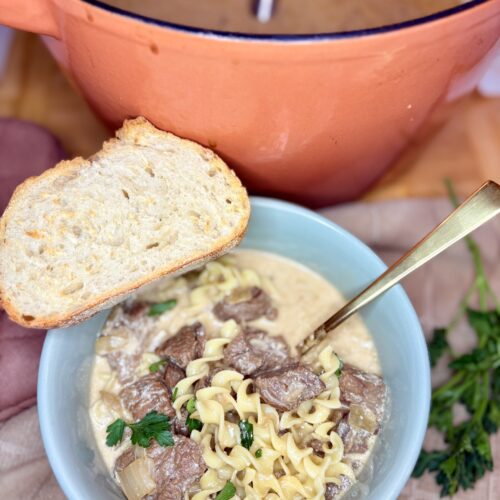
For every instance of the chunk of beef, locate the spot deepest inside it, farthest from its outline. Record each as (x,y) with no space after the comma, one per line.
(172,375)
(125,459)
(176,468)
(287,387)
(187,344)
(130,319)
(317,447)
(279,473)
(179,425)
(334,490)
(256,350)
(127,321)
(206,381)
(354,438)
(147,394)
(134,309)
(337,415)
(245,304)
(202,383)
(364,389)
(123,364)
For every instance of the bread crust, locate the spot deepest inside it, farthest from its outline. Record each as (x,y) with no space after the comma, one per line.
(132,129)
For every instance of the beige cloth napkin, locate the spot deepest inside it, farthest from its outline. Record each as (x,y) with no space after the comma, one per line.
(389,228)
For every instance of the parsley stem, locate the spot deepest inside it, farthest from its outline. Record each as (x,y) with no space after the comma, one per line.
(479,413)
(451,192)
(481,283)
(462,308)
(493,297)
(457,378)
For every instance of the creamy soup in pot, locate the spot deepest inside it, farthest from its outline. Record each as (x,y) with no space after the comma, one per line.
(290,16)
(197,391)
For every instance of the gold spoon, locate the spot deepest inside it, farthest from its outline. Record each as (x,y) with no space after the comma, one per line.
(479,208)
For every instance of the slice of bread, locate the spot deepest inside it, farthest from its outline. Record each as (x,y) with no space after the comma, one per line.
(86,233)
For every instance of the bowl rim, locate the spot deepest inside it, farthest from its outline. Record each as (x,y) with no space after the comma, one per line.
(397,481)
(302,37)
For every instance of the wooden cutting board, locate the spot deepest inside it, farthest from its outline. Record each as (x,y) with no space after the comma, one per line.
(466,148)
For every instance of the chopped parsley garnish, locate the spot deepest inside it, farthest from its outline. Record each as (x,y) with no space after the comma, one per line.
(156,366)
(258,453)
(153,426)
(191,406)
(246,433)
(162,307)
(193,424)
(227,492)
(174,394)
(338,371)
(114,432)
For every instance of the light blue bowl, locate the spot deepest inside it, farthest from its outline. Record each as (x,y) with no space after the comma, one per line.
(308,238)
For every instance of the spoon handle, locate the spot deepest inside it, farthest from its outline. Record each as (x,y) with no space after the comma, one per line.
(263,10)
(479,208)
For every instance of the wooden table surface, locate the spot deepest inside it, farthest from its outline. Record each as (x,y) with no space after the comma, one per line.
(466,148)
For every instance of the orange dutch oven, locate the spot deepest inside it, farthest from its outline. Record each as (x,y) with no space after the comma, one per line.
(312,118)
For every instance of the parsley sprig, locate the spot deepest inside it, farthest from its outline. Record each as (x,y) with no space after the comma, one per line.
(474,383)
(153,426)
(157,365)
(246,433)
(227,492)
(338,371)
(161,307)
(175,392)
(193,424)
(191,406)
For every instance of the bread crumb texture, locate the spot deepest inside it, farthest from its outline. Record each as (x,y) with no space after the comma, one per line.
(87,232)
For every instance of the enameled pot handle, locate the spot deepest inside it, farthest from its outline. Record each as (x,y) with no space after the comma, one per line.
(30,15)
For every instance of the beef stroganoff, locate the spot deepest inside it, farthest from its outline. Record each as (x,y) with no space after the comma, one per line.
(197,392)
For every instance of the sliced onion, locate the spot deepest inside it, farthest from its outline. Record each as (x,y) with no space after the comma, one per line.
(112,401)
(240,294)
(136,480)
(363,418)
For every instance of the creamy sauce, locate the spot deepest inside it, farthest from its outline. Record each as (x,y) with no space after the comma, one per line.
(100,372)
(303,298)
(290,16)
